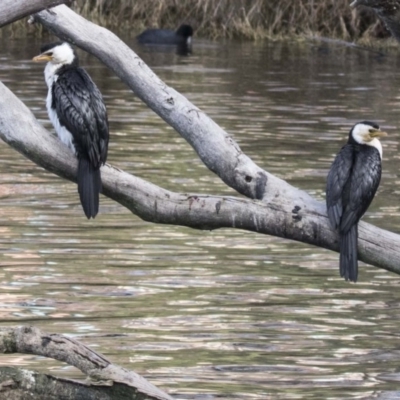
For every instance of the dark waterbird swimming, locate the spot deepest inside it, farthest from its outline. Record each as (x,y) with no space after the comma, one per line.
(183,35)
(351,185)
(78,113)
(387,10)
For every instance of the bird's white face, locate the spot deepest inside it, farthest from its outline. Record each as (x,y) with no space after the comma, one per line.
(367,134)
(60,54)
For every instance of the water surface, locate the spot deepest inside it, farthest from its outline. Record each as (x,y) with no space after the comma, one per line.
(210,315)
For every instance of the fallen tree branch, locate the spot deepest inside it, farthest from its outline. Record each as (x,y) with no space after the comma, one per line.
(284,211)
(13,10)
(105,380)
(283,217)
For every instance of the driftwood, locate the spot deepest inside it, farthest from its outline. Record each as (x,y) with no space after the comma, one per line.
(106,381)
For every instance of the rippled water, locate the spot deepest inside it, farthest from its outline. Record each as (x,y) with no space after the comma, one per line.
(206,315)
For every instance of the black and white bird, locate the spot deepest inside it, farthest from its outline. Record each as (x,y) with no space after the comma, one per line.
(79,116)
(351,185)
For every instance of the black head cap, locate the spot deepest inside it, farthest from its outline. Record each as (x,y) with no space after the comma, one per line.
(49,46)
(370,123)
(52,48)
(185,31)
(373,125)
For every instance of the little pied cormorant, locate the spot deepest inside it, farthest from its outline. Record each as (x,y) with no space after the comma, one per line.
(351,185)
(79,116)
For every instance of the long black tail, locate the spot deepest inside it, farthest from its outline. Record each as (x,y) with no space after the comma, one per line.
(89,187)
(348,254)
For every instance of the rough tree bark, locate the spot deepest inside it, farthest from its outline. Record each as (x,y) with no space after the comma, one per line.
(106,381)
(13,10)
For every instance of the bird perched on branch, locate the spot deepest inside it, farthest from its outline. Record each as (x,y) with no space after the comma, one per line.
(351,185)
(78,113)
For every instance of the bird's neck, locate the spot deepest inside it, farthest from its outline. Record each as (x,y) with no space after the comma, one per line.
(374,143)
(50,73)
(377,144)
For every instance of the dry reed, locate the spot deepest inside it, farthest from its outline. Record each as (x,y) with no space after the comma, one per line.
(250,19)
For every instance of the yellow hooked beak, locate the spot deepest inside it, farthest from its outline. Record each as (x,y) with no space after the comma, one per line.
(376,133)
(42,57)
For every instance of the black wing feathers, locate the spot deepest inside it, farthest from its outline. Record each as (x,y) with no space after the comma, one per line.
(337,179)
(365,180)
(80,108)
(351,185)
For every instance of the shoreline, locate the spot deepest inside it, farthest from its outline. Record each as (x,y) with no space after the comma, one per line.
(216,19)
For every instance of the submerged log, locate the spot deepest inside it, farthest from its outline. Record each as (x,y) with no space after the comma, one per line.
(106,381)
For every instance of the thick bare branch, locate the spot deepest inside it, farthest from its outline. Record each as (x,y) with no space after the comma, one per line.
(283,217)
(13,10)
(115,382)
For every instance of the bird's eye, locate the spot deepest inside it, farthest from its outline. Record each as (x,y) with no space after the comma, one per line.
(50,53)
(371,130)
